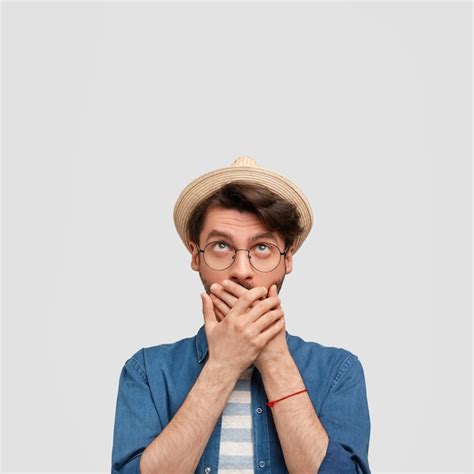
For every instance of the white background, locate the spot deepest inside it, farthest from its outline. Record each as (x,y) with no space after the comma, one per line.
(110,109)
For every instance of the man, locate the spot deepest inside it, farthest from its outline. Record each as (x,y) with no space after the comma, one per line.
(242,395)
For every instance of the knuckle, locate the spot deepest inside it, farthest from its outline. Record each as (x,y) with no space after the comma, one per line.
(239,325)
(234,322)
(257,345)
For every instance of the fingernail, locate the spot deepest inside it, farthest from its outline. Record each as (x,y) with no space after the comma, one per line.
(214,287)
(225,282)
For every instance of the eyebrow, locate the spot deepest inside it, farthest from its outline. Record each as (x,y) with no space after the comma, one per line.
(261,235)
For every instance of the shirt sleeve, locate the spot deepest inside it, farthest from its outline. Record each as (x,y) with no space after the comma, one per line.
(345,417)
(137,421)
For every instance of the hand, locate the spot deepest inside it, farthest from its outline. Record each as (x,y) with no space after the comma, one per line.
(224,299)
(236,341)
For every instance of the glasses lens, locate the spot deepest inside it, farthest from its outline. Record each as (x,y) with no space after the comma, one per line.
(265,257)
(219,255)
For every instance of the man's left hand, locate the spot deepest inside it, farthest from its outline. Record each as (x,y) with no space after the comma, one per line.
(224,298)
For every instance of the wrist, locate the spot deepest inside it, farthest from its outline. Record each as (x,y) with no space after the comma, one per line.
(222,371)
(275,363)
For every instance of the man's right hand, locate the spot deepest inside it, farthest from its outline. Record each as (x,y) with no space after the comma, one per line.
(235,342)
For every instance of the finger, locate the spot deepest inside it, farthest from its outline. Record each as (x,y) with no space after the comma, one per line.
(208,311)
(227,290)
(220,305)
(225,296)
(247,299)
(216,298)
(238,290)
(271,331)
(273,292)
(234,288)
(262,307)
(267,320)
(219,315)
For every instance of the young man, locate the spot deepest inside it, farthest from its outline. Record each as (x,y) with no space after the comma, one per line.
(242,395)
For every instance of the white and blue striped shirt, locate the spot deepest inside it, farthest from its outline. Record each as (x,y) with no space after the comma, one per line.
(236,443)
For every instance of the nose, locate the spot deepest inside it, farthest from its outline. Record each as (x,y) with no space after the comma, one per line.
(241,269)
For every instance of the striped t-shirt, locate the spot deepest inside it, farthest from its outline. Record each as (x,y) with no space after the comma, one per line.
(236,444)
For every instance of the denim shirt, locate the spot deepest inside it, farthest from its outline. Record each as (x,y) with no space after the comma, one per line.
(156,380)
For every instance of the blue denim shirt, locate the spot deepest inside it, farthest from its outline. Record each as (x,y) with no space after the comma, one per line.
(155,381)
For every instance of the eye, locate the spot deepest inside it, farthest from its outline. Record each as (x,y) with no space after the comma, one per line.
(262,248)
(220,245)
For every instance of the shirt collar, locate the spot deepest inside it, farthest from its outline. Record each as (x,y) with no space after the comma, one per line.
(201,343)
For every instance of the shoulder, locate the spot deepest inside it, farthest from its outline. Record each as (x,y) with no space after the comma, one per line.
(151,358)
(332,354)
(331,362)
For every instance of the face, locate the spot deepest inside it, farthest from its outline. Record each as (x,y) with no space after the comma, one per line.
(241,228)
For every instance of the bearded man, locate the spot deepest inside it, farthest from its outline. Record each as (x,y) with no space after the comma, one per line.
(242,395)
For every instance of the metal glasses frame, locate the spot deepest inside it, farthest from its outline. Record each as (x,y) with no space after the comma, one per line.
(248,255)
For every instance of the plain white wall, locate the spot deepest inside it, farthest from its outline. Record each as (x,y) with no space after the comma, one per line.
(111,109)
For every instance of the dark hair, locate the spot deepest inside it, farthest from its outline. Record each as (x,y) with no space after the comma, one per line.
(276,213)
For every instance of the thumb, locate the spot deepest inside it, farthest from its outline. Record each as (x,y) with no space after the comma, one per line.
(210,319)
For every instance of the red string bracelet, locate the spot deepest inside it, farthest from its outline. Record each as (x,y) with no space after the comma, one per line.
(270,404)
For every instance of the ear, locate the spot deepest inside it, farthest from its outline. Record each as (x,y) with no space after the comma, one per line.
(195,256)
(289,260)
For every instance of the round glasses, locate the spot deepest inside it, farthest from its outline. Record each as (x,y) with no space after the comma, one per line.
(220,255)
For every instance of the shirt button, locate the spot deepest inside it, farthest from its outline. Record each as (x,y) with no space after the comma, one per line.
(261,463)
(208,469)
(259,410)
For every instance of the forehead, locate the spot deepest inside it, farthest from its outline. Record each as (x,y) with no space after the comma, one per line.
(239,226)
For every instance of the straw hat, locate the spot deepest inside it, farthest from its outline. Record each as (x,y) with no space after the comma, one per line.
(243,169)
